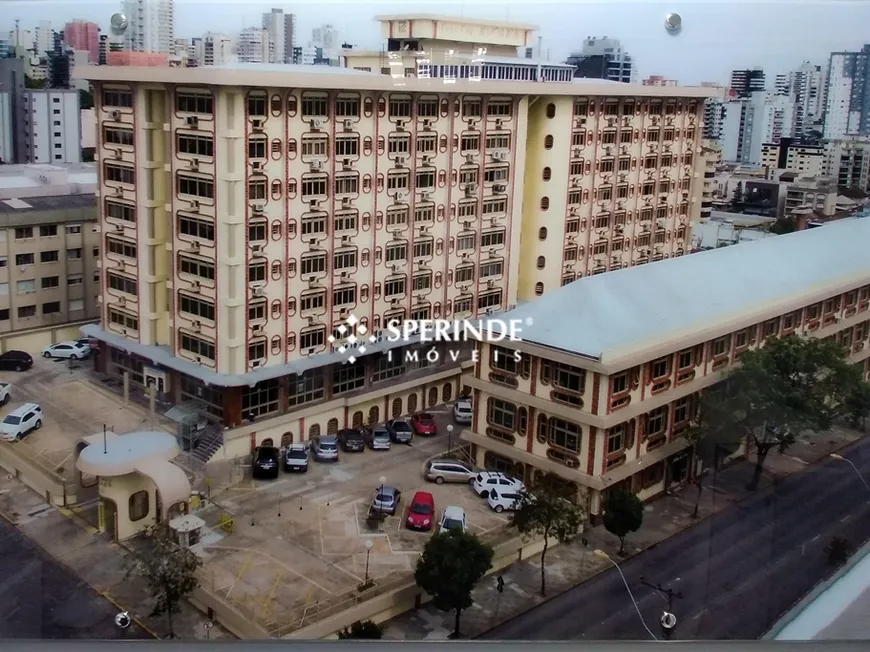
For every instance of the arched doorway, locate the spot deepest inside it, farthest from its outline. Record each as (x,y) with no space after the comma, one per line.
(412,403)
(446,392)
(286,439)
(314,430)
(374,415)
(397,408)
(332,426)
(357,419)
(432,399)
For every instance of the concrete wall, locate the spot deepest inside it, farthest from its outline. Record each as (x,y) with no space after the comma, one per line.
(33,341)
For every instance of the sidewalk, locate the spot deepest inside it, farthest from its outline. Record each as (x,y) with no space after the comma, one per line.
(76,544)
(568,566)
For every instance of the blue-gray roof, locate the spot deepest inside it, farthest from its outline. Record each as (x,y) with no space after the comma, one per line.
(620,312)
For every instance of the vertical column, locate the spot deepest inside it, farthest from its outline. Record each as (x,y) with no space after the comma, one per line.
(232,406)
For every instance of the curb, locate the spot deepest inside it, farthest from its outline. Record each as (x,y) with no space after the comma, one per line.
(692,525)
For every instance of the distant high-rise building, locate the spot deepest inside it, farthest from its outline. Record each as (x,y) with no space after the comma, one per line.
(805,87)
(848,161)
(12,111)
(103,49)
(275,25)
(325,37)
(289,36)
(151,25)
(603,58)
(84,36)
(714,113)
(749,123)
(43,38)
(59,64)
(53,132)
(253,45)
(215,50)
(746,82)
(847,111)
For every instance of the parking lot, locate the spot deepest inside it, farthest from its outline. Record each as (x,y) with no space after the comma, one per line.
(72,407)
(298,543)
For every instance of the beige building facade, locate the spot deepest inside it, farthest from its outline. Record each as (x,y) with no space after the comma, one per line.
(608,381)
(250,212)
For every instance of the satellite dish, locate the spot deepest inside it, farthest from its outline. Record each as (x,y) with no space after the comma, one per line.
(119,23)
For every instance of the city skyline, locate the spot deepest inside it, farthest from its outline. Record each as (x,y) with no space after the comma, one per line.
(710,31)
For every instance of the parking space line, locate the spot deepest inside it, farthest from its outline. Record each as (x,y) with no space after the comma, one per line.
(277,561)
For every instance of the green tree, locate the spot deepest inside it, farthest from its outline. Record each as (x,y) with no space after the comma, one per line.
(366,629)
(784,225)
(623,513)
(170,571)
(86,99)
(30,82)
(548,511)
(789,385)
(450,567)
(856,406)
(737,195)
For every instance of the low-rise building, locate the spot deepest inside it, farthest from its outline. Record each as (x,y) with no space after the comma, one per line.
(612,367)
(49,245)
(792,156)
(848,161)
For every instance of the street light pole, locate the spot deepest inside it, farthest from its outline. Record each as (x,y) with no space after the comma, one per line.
(449,437)
(367,582)
(604,555)
(834,456)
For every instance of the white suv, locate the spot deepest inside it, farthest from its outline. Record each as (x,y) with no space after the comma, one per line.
(463,412)
(20,422)
(504,501)
(487,480)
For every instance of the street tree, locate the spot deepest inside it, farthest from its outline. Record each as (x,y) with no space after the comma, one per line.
(549,511)
(737,194)
(623,513)
(367,629)
(787,386)
(450,567)
(857,404)
(170,571)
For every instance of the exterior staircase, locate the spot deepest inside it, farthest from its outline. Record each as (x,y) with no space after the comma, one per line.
(208,444)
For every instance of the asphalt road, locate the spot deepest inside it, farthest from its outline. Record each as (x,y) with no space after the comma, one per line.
(40,598)
(738,571)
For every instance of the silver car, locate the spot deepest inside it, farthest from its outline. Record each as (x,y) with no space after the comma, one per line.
(386,500)
(379,439)
(441,471)
(325,448)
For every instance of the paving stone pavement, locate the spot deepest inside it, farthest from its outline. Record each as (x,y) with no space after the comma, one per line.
(567,566)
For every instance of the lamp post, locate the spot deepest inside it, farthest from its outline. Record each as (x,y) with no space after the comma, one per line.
(604,555)
(834,456)
(449,437)
(367,582)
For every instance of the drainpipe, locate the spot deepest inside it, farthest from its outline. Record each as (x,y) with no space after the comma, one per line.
(538,53)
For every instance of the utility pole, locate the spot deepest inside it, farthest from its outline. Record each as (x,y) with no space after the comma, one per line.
(668,620)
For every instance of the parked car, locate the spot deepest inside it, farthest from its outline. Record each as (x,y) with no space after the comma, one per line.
(325,448)
(463,413)
(486,480)
(86,341)
(378,438)
(505,500)
(424,424)
(441,471)
(421,512)
(386,500)
(71,350)
(352,440)
(266,462)
(5,393)
(453,518)
(296,458)
(20,422)
(401,431)
(15,361)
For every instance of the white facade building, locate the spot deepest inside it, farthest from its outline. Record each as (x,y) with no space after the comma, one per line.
(151,25)
(325,37)
(749,123)
(7,137)
(53,133)
(847,160)
(845,113)
(43,37)
(274,24)
(215,50)
(805,87)
(253,45)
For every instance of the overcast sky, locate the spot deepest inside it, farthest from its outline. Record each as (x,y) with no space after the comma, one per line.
(717,36)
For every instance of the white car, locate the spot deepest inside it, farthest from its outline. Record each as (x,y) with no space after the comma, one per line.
(20,422)
(453,518)
(68,350)
(463,412)
(504,501)
(5,393)
(487,480)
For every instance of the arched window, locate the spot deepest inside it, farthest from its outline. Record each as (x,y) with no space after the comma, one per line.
(541,262)
(551,110)
(539,288)
(548,142)
(542,233)
(548,173)
(545,203)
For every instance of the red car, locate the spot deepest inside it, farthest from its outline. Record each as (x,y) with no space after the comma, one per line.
(421,512)
(424,424)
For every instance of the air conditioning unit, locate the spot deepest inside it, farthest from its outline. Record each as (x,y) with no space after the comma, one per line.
(499,123)
(344,276)
(316,123)
(196,285)
(499,156)
(196,325)
(316,165)
(469,158)
(427,159)
(257,166)
(427,123)
(194,164)
(258,291)
(499,187)
(257,208)
(576,182)
(194,205)
(348,125)
(257,249)
(401,194)
(119,154)
(194,247)
(119,228)
(578,151)
(192,121)
(470,188)
(425,195)
(257,329)
(116,115)
(257,124)
(400,160)
(122,301)
(400,124)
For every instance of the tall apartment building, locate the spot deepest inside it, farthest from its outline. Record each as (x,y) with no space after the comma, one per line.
(252,46)
(151,26)
(286,202)
(49,245)
(847,109)
(12,110)
(711,152)
(603,58)
(746,82)
(805,87)
(793,156)
(275,24)
(848,161)
(748,124)
(84,36)
(52,126)
(290,40)
(215,50)
(714,114)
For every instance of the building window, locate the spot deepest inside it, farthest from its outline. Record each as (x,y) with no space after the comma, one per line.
(260,399)
(657,422)
(551,110)
(616,440)
(349,377)
(307,387)
(501,414)
(548,142)
(122,284)
(194,103)
(563,434)
(197,346)
(119,211)
(195,145)
(138,505)
(26,311)
(114,173)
